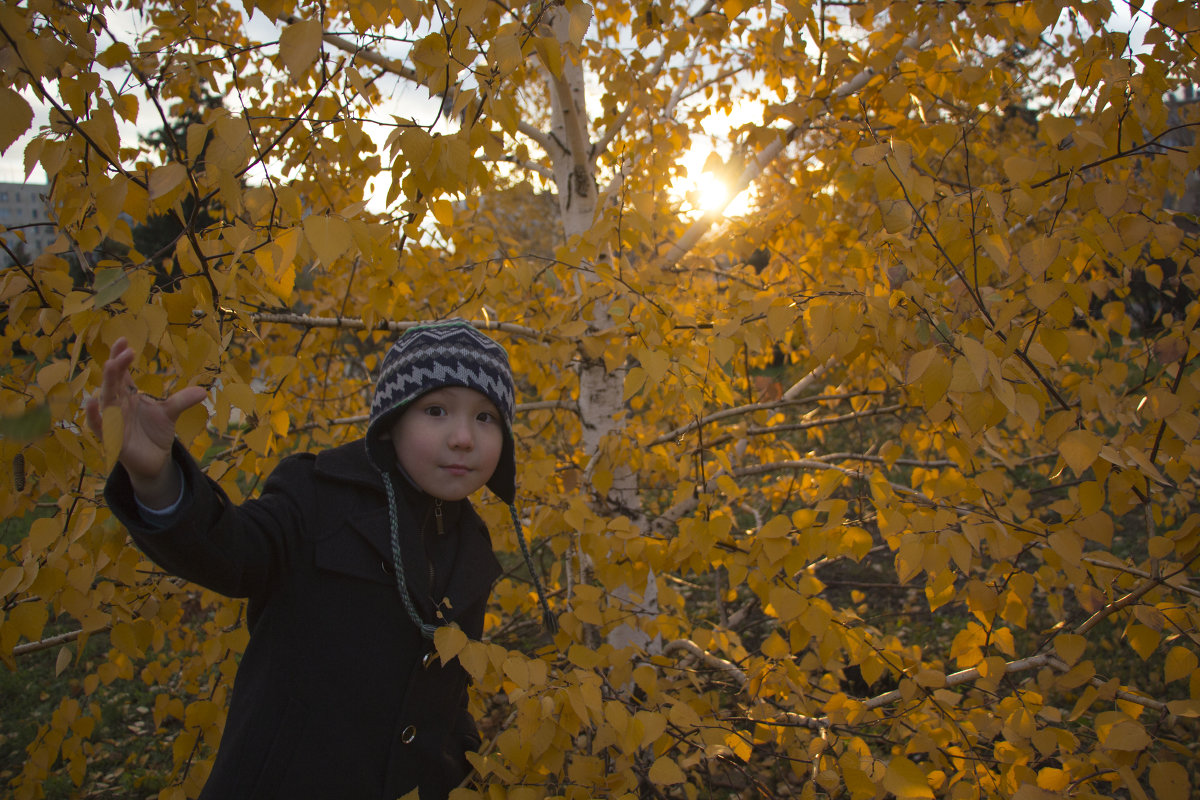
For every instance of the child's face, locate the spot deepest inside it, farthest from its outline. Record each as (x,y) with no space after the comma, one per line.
(449,441)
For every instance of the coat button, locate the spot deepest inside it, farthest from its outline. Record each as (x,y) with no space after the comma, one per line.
(429,659)
(408,734)
(387,568)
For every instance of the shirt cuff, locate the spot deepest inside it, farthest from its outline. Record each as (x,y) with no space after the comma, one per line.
(163,517)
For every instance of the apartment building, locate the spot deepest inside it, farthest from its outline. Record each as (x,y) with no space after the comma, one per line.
(23,215)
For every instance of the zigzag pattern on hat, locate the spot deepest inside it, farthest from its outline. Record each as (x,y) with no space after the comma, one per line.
(413,380)
(444,353)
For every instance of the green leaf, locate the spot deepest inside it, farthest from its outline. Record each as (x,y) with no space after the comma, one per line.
(109,284)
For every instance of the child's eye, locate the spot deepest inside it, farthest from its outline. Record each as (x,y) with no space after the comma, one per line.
(486,416)
(435,411)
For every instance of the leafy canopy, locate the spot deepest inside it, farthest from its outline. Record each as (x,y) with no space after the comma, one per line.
(882,488)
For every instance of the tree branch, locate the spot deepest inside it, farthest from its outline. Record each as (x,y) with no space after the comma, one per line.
(355,323)
(750,409)
(727,668)
(54,641)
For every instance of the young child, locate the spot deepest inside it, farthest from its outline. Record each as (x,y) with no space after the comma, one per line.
(350,559)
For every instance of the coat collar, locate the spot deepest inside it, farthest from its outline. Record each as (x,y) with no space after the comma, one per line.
(476,567)
(349,462)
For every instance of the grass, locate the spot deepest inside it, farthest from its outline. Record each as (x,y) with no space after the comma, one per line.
(127,756)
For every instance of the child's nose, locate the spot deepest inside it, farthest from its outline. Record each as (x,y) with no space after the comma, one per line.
(461,437)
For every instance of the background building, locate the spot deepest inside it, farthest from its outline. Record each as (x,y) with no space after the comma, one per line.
(23,216)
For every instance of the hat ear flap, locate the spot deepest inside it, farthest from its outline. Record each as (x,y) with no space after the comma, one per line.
(503,482)
(380,449)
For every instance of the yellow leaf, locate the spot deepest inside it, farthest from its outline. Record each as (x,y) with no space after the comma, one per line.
(165,178)
(775,647)
(873,154)
(1080,449)
(505,53)
(113,432)
(656,363)
(63,661)
(1069,647)
(738,744)
(1053,779)
(1037,255)
(665,772)
(201,714)
(449,641)
(777,527)
(277,262)
(124,639)
(1019,169)
(16,118)
(53,374)
(1169,779)
(1119,732)
(581,20)
(110,201)
(329,237)
(281,422)
(683,715)
(1143,639)
(1184,708)
(474,658)
(10,579)
(1110,198)
(858,782)
(443,212)
(785,603)
(517,671)
(653,725)
(1180,663)
(906,780)
(299,45)
(779,320)
(551,55)
(856,541)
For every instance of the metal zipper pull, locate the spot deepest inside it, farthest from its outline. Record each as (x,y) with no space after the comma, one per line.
(437,516)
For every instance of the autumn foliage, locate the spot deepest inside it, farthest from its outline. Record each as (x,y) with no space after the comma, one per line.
(885,486)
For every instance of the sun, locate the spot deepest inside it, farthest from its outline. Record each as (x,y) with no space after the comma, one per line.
(704,186)
(710,192)
(703,189)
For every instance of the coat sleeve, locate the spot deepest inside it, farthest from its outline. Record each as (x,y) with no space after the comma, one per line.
(234,550)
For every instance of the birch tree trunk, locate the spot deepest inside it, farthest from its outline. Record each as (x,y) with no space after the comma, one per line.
(601,389)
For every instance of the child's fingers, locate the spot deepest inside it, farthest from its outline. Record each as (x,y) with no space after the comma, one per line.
(116,381)
(182,400)
(94,418)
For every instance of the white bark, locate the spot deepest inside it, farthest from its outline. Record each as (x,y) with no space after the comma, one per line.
(601,391)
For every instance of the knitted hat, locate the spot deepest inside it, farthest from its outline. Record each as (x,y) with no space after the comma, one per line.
(439,354)
(428,357)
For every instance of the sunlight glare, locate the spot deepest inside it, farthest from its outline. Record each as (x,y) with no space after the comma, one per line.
(705,188)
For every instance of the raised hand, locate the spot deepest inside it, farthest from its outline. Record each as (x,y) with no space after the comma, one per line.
(148,429)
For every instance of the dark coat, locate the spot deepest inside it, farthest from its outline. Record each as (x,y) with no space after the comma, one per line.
(334,696)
